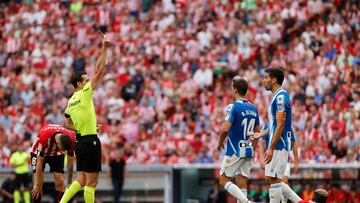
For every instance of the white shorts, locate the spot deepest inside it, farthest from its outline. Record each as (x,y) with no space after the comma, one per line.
(287,170)
(277,166)
(232,166)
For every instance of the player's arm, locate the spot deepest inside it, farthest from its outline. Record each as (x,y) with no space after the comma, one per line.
(255,141)
(225,127)
(280,124)
(38,177)
(296,156)
(100,64)
(261,153)
(258,135)
(70,167)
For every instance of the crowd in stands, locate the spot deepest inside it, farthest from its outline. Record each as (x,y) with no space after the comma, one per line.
(169,71)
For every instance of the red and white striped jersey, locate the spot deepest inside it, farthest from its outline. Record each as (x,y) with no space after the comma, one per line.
(45,144)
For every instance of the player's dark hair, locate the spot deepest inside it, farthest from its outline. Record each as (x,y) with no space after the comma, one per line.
(240,85)
(66,141)
(277,73)
(77,77)
(320,196)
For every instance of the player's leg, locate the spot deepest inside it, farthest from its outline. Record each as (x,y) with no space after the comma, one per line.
(241,183)
(242,174)
(80,181)
(75,187)
(228,170)
(285,179)
(89,190)
(56,164)
(59,186)
(92,168)
(273,170)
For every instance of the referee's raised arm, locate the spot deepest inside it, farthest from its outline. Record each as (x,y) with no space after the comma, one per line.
(100,64)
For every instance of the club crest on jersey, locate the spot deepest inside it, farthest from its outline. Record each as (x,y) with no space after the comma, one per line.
(228,111)
(280,103)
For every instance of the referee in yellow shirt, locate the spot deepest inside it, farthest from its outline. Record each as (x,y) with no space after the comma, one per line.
(80,114)
(20,161)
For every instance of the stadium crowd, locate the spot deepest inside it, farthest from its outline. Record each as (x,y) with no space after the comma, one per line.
(167,82)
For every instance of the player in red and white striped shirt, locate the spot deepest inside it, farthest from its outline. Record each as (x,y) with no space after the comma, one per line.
(49,147)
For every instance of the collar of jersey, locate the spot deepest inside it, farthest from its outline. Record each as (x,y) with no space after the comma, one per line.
(277,91)
(242,100)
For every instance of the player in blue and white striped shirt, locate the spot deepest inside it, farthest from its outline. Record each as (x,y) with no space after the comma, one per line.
(277,154)
(263,146)
(241,120)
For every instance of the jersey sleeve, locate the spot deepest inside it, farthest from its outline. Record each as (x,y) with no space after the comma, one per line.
(42,145)
(280,103)
(229,113)
(87,92)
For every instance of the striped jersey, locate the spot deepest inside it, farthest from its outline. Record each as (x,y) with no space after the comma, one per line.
(265,138)
(280,102)
(243,117)
(45,144)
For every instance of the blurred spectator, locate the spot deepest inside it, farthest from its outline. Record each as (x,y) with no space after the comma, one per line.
(8,188)
(336,194)
(216,194)
(118,174)
(308,193)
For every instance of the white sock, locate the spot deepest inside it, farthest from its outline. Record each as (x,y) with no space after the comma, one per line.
(275,193)
(236,192)
(244,191)
(289,193)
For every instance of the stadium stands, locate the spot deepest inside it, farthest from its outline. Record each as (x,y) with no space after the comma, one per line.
(165,88)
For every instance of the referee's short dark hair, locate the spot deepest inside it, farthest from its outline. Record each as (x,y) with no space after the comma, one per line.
(77,77)
(240,85)
(277,73)
(66,141)
(320,196)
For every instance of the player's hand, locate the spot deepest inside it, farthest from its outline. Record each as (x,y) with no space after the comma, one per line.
(268,155)
(37,191)
(296,167)
(254,136)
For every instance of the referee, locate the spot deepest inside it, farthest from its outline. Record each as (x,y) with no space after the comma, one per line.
(80,114)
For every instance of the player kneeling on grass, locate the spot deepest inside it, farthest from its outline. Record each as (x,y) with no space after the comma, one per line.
(241,119)
(49,148)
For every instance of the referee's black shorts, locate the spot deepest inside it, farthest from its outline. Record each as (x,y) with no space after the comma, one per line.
(88,153)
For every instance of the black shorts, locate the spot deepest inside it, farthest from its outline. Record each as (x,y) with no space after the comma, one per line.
(88,153)
(22,179)
(56,163)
